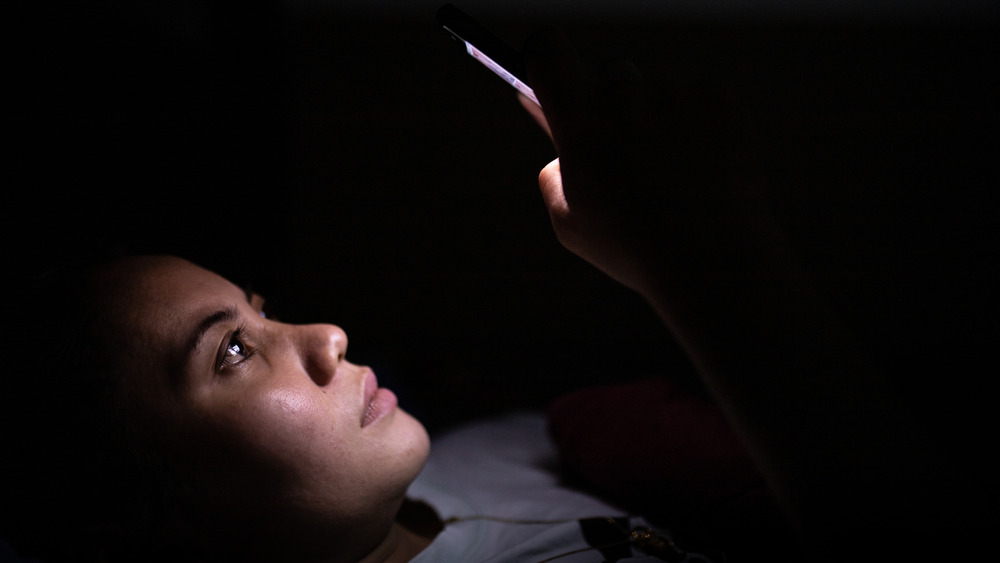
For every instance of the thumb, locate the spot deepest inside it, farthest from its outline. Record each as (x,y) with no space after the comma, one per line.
(551,186)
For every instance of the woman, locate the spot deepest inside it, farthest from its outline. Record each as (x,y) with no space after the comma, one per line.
(200,429)
(222,434)
(268,445)
(202,357)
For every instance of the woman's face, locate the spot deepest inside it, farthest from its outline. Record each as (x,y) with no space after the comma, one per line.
(268,420)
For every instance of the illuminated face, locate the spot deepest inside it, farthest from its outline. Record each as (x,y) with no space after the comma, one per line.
(280,434)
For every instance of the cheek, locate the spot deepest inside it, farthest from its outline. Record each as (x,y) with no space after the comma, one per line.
(285,406)
(292,422)
(318,446)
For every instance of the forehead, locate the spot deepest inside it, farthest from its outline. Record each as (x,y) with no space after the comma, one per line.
(164,284)
(150,307)
(155,301)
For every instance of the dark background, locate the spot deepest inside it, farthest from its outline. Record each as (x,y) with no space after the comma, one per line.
(358,169)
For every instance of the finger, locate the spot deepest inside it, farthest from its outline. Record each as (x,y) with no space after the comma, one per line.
(535,111)
(623,101)
(621,88)
(560,81)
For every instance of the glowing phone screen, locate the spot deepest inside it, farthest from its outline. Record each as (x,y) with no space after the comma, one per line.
(463,28)
(501,71)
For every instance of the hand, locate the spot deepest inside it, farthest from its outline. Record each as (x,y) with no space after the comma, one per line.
(661,197)
(643,194)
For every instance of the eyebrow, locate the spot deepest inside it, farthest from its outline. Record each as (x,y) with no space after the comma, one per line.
(221,316)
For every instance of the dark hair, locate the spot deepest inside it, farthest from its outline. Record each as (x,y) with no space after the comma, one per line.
(76,487)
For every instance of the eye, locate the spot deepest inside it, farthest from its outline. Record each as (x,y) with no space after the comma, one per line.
(266,310)
(261,305)
(235,351)
(257,301)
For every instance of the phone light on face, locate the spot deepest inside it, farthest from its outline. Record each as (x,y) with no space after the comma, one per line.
(501,72)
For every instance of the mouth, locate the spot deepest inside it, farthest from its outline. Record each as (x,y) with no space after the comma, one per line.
(378,402)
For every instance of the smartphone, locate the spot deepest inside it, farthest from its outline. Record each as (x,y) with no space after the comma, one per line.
(486,48)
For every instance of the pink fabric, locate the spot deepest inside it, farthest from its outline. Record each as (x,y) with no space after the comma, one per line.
(652,445)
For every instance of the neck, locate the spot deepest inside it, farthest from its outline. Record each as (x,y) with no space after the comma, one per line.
(416,526)
(403,546)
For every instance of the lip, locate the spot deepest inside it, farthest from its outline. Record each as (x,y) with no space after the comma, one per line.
(378,402)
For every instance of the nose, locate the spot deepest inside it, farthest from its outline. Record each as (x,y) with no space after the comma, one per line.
(322,348)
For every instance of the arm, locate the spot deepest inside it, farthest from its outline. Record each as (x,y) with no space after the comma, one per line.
(665,205)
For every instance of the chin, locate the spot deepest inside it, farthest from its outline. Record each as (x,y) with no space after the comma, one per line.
(418,439)
(410,445)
